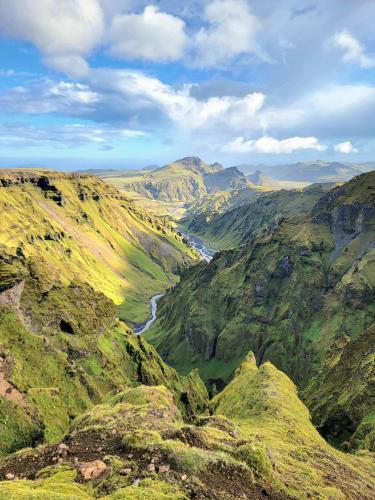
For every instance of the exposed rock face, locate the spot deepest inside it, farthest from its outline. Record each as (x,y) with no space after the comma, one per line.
(92,470)
(12,296)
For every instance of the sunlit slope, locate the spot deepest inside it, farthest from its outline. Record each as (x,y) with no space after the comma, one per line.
(82,228)
(183,184)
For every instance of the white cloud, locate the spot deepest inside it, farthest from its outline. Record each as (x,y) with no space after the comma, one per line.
(271,145)
(353,50)
(152,35)
(65,136)
(144,93)
(232,31)
(345,147)
(62,30)
(326,108)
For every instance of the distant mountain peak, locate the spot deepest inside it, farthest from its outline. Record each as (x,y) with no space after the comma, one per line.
(259,178)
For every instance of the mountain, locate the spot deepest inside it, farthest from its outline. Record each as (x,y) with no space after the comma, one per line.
(89,410)
(183,185)
(235,226)
(311,172)
(185,180)
(286,294)
(257,442)
(85,229)
(63,349)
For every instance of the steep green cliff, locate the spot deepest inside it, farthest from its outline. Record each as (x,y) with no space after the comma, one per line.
(231,227)
(286,294)
(341,396)
(62,349)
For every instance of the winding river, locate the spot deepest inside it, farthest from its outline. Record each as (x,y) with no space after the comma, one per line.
(142,327)
(205,253)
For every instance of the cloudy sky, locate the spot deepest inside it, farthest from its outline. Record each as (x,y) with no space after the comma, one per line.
(112,83)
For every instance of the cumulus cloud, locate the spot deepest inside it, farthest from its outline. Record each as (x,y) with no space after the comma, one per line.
(137,101)
(232,31)
(271,145)
(65,32)
(345,148)
(152,35)
(353,50)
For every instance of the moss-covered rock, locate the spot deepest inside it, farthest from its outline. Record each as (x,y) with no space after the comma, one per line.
(341,397)
(282,446)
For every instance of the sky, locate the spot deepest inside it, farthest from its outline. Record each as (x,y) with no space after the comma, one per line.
(130,83)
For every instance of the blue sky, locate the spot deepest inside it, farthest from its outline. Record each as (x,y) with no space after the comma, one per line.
(127,83)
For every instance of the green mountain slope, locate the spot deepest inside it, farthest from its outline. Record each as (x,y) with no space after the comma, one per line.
(285,294)
(85,229)
(62,349)
(237,225)
(257,443)
(342,395)
(183,184)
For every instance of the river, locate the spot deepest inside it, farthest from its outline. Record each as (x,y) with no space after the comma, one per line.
(205,253)
(142,327)
(196,243)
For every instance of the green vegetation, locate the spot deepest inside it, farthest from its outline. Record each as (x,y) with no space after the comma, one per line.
(87,231)
(224,227)
(282,446)
(258,442)
(186,184)
(286,294)
(62,349)
(341,396)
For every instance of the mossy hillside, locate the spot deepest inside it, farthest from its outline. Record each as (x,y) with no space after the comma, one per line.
(85,229)
(341,396)
(265,445)
(282,444)
(141,431)
(64,349)
(61,381)
(286,294)
(225,227)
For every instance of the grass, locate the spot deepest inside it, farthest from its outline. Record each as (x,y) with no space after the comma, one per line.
(118,249)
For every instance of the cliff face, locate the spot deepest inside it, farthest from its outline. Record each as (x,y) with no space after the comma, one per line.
(82,228)
(62,349)
(286,294)
(230,228)
(341,396)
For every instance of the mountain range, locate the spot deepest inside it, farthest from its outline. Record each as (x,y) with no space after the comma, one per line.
(259,379)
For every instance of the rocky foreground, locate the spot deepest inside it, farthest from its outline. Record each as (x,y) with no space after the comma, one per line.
(256,441)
